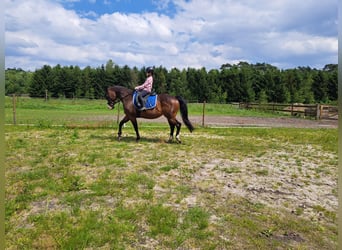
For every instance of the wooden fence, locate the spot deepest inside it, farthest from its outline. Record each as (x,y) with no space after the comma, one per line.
(318,111)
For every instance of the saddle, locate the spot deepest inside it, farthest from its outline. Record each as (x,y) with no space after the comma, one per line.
(149,101)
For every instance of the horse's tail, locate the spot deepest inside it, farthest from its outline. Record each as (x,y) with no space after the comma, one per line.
(184,113)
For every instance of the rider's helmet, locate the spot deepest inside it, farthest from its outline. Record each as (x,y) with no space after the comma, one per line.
(149,70)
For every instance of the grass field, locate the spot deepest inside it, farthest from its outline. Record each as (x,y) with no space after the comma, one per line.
(222,188)
(95,112)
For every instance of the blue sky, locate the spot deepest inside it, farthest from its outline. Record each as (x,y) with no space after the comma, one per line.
(170,33)
(93,8)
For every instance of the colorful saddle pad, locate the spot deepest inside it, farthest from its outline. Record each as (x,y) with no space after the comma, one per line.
(150,102)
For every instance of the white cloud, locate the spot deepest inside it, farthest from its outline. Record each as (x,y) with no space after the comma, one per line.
(201,33)
(303,44)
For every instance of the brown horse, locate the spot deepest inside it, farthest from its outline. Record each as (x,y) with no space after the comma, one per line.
(166,105)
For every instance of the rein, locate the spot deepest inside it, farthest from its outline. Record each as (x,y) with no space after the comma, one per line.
(120,99)
(124,97)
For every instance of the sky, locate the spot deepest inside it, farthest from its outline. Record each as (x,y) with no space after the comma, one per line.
(170,33)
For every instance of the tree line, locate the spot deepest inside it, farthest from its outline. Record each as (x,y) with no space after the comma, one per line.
(241,82)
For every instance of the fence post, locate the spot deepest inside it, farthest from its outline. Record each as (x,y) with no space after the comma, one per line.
(203,113)
(14,109)
(318,111)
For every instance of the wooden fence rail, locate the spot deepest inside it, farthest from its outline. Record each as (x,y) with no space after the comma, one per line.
(318,111)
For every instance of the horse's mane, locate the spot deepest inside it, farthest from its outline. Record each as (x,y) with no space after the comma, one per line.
(121,89)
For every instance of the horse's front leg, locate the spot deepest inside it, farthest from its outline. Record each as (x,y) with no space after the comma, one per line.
(122,122)
(135,125)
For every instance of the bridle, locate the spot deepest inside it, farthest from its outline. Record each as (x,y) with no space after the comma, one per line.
(112,103)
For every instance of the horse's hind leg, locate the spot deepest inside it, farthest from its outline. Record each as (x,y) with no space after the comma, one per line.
(178,126)
(174,123)
(172,129)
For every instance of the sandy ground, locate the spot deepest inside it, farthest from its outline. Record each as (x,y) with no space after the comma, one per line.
(301,190)
(234,121)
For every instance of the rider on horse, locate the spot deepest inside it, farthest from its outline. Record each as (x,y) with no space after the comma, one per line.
(145,88)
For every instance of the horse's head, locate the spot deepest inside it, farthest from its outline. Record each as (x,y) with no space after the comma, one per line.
(111,97)
(118,93)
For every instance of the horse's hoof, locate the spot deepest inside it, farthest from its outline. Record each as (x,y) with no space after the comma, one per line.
(178,139)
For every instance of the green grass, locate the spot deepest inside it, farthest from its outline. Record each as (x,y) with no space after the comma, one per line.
(81,188)
(78,187)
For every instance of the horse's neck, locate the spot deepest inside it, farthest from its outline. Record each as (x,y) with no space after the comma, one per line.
(123,92)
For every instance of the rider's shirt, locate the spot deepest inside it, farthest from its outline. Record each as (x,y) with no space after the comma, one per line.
(147,85)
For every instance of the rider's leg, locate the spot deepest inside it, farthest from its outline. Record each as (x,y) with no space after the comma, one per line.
(141,97)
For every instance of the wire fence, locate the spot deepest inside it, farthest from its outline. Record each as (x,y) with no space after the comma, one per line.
(105,118)
(318,111)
